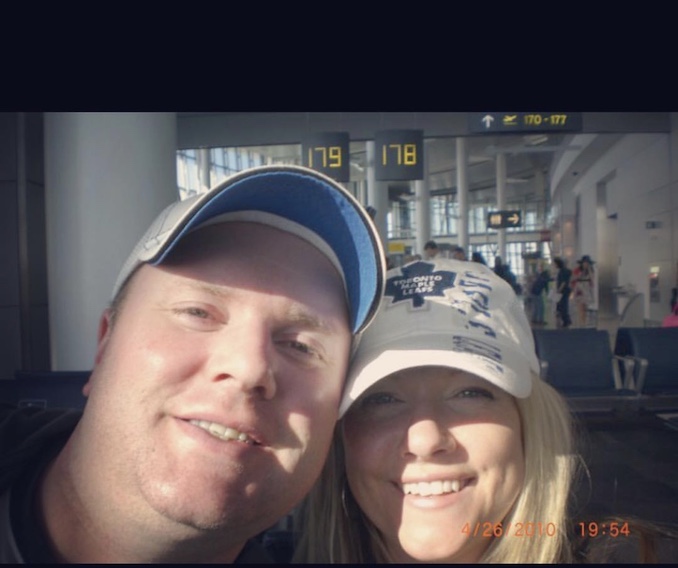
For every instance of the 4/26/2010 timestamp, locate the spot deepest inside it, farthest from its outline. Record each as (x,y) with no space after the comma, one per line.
(594,529)
(525,530)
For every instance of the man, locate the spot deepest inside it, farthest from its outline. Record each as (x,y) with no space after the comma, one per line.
(217,378)
(563,277)
(458,253)
(431,250)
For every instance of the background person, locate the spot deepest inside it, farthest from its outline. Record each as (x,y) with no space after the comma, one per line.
(563,276)
(478,257)
(458,253)
(583,288)
(538,291)
(215,387)
(431,250)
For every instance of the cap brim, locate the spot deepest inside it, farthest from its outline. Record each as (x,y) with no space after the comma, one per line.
(306,198)
(513,375)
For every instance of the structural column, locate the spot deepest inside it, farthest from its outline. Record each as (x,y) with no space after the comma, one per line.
(501,204)
(107,175)
(377,196)
(462,195)
(422,194)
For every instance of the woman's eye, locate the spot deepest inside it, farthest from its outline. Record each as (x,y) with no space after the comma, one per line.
(475,393)
(378,398)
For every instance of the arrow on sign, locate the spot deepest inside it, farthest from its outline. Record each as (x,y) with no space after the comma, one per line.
(514,218)
(487,120)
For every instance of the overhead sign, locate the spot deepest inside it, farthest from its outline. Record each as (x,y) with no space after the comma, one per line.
(504,219)
(518,122)
(327,152)
(399,155)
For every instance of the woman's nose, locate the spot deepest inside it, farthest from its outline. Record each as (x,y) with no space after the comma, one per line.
(427,436)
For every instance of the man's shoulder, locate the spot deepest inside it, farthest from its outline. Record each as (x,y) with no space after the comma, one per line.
(20,424)
(254,552)
(25,433)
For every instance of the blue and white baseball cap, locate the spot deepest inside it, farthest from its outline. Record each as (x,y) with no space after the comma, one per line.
(294,199)
(449,313)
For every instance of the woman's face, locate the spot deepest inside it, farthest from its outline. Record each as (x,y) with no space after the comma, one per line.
(431,454)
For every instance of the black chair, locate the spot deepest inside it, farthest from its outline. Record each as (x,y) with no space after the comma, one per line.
(45,389)
(580,364)
(654,353)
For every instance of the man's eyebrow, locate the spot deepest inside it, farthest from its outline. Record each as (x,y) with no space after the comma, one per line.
(196,286)
(299,316)
(296,314)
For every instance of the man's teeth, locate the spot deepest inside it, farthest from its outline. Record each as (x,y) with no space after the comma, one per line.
(425,488)
(222,432)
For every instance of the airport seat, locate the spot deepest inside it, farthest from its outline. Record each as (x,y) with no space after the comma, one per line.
(580,364)
(45,389)
(654,352)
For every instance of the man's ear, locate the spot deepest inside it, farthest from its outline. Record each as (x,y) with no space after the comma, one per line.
(104,333)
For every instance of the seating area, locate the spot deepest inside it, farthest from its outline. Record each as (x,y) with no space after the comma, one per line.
(653,352)
(45,389)
(639,374)
(580,364)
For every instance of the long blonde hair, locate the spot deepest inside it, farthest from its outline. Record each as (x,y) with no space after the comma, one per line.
(332,528)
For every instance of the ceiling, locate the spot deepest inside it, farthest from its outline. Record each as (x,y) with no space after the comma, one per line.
(531,158)
(528,163)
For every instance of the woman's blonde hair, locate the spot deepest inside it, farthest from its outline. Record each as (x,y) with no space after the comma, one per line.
(332,529)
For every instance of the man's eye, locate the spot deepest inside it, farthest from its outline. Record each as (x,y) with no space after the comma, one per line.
(194,311)
(299,346)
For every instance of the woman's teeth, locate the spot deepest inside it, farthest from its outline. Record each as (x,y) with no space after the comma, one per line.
(425,488)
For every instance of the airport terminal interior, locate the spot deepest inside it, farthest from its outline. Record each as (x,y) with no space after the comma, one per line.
(524,187)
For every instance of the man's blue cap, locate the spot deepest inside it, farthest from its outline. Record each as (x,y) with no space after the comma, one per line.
(291,198)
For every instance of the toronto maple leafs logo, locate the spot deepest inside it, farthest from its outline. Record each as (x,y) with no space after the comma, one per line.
(417,282)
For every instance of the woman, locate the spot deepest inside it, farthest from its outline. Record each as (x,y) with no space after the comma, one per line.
(583,287)
(449,448)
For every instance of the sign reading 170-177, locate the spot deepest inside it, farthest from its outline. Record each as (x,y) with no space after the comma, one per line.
(493,122)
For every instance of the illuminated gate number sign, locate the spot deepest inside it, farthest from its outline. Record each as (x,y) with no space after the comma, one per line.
(504,219)
(399,155)
(327,152)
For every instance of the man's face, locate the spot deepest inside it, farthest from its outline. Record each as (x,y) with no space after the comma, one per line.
(216,390)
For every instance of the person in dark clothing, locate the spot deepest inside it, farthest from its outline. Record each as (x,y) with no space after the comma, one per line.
(478,257)
(563,277)
(216,383)
(538,290)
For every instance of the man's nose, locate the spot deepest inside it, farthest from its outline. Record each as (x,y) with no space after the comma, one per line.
(245,353)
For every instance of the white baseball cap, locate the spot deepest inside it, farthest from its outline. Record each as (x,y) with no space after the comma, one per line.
(450,313)
(291,198)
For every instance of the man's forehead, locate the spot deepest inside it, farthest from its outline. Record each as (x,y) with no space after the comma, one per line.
(235,238)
